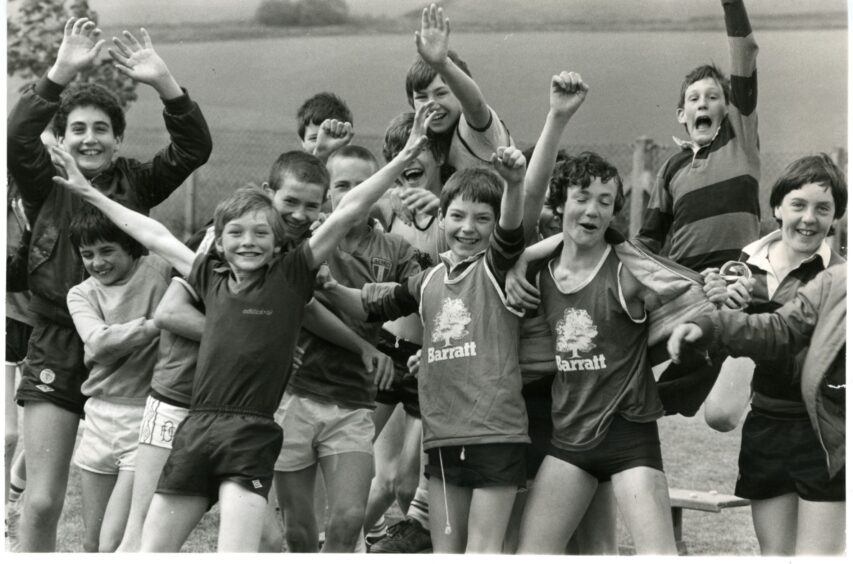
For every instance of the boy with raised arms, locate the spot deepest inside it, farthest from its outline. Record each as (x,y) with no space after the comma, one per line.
(89,123)
(226,447)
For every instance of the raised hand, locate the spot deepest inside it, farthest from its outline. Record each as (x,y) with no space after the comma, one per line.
(332,135)
(681,336)
(80,46)
(434,37)
(75,182)
(510,163)
(141,62)
(418,135)
(568,91)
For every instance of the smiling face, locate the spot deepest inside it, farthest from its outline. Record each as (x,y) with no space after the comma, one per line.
(704,110)
(468,226)
(588,212)
(448,111)
(299,204)
(247,243)
(806,215)
(108,263)
(90,139)
(423,171)
(345,173)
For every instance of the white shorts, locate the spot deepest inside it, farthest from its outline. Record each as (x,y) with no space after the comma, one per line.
(313,430)
(110,437)
(160,422)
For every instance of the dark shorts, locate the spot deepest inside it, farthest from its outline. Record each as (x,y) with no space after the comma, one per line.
(54,370)
(405,386)
(210,448)
(540,426)
(17,337)
(627,445)
(780,455)
(498,464)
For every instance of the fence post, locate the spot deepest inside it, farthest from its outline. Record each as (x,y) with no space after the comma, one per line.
(642,176)
(839,240)
(189,205)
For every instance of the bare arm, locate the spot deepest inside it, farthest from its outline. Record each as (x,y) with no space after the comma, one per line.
(177,312)
(152,234)
(432,44)
(568,91)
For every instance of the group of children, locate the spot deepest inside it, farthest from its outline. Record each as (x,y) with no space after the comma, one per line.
(366,323)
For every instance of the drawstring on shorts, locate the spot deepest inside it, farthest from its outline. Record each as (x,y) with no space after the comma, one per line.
(447,529)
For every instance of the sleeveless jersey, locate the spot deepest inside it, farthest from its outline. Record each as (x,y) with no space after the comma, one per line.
(469,382)
(601,357)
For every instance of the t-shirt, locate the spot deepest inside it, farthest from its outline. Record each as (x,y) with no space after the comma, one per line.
(470,147)
(119,350)
(601,357)
(329,373)
(249,336)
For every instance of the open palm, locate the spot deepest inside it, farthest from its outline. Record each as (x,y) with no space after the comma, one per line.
(138,60)
(433,39)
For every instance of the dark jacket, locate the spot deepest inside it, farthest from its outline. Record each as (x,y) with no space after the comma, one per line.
(53,265)
(817,319)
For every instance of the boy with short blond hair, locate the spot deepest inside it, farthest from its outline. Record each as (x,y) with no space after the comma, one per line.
(254,298)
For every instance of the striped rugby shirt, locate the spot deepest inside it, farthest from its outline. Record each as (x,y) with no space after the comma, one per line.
(705,199)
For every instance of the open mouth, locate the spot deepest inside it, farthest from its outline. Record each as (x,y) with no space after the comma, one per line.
(413,176)
(467,240)
(806,232)
(703,122)
(589,226)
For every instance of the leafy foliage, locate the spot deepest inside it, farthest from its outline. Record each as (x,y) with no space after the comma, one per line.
(34,34)
(302,12)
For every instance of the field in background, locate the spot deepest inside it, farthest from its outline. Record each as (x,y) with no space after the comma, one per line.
(695,457)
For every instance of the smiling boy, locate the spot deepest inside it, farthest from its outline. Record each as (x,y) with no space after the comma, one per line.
(468,129)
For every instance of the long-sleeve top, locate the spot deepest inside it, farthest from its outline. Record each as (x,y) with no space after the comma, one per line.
(52,263)
(704,202)
(119,347)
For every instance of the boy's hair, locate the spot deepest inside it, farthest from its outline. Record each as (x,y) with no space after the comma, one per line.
(320,107)
(699,73)
(300,165)
(397,135)
(90,226)
(420,74)
(244,201)
(579,171)
(812,169)
(354,152)
(562,154)
(476,184)
(89,94)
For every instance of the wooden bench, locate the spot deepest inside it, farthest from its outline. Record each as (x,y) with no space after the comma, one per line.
(712,502)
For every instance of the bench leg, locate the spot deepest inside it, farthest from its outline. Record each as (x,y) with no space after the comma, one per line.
(677,513)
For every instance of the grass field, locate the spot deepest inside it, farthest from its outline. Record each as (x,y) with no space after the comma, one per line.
(695,457)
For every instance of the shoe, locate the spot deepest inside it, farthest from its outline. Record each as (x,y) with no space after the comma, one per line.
(371,539)
(404,537)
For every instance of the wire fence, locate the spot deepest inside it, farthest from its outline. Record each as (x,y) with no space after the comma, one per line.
(244,156)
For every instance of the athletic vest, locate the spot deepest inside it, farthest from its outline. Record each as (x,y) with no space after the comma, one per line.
(469,382)
(601,358)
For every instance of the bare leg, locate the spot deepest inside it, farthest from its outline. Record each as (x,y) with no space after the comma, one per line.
(488,516)
(596,533)
(272,537)
(11,422)
(97,489)
(387,448)
(170,520)
(775,522)
(821,528)
(643,497)
(556,503)
(49,435)
(296,500)
(115,516)
(149,463)
(347,478)
(241,518)
(449,538)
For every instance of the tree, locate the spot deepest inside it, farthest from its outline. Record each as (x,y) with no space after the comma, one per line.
(450,321)
(575,332)
(302,12)
(34,34)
